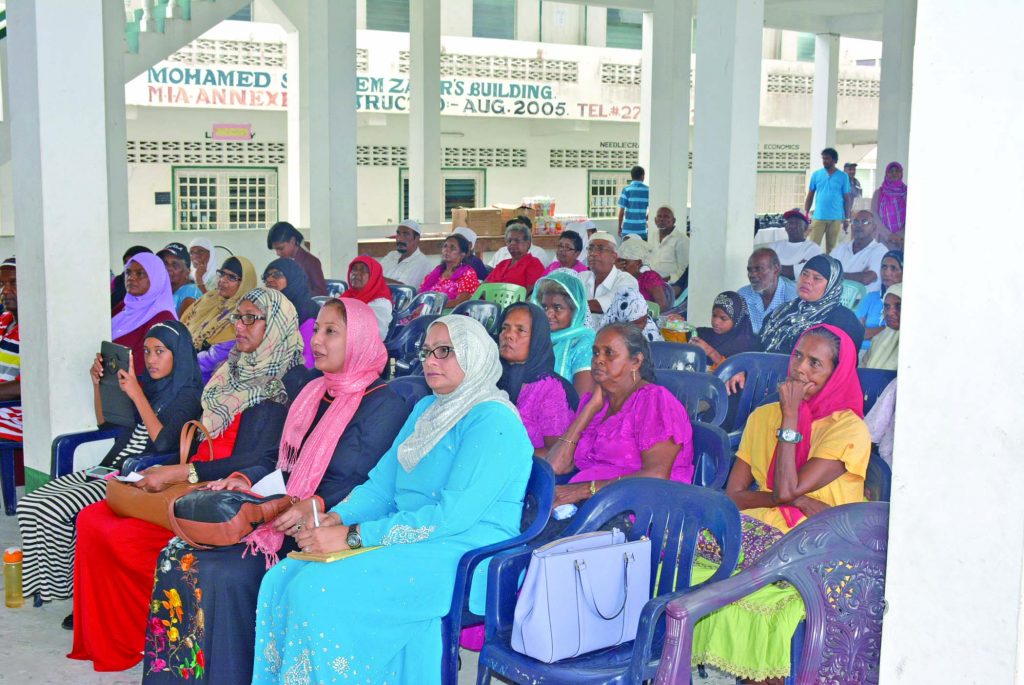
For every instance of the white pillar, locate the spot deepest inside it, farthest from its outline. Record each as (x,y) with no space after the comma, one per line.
(59,152)
(117,128)
(425,111)
(665,106)
(728,82)
(826,90)
(956,534)
(898,31)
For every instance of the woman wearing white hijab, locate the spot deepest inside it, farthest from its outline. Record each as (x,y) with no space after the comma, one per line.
(884,352)
(204,263)
(453,480)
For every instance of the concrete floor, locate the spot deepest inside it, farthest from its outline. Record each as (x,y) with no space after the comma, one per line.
(33,645)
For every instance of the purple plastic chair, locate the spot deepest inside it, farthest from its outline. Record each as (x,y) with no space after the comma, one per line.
(836,561)
(671,515)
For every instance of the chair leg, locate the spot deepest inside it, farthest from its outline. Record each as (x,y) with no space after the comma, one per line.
(7,478)
(483,675)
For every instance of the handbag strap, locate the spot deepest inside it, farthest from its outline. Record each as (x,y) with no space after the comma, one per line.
(188,434)
(588,594)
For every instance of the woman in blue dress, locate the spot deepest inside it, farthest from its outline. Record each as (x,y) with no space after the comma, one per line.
(453,480)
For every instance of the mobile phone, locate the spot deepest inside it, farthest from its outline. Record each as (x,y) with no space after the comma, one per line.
(100,472)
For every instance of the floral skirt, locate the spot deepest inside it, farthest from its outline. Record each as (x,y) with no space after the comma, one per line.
(202,615)
(750,638)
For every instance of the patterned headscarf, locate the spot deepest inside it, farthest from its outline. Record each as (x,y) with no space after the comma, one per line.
(207,318)
(249,378)
(138,309)
(783,327)
(892,201)
(740,338)
(477,355)
(628,306)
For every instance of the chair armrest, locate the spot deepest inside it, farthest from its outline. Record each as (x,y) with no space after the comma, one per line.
(10,403)
(62,451)
(502,589)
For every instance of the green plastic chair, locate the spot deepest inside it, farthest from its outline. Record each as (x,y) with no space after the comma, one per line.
(853,293)
(501,294)
(654,309)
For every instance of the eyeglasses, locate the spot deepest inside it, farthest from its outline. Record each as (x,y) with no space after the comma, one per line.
(273,275)
(439,352)
(221,273)
(863,222)
(247,319)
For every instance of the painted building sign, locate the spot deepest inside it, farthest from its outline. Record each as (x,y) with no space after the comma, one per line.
(384,86)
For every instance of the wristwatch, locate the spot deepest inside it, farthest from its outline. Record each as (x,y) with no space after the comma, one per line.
(354,539)
(788,435)
(193,477)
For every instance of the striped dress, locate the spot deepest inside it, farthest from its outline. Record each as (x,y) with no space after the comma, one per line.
(46,516)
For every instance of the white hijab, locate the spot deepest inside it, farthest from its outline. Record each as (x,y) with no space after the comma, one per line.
(477,355)
(210,279)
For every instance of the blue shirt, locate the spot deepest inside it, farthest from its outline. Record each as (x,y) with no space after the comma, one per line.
(634,199)
(828,190)
(870,311)
(184,292)
(784,292)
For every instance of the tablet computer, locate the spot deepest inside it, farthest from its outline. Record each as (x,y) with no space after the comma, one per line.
(118,408)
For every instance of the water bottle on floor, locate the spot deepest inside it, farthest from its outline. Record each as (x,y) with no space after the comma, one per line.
(12,577)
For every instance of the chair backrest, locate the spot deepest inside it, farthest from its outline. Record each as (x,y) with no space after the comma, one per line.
(678,356)
(873,382)
(878,480)
(837,562)
(487,313)
(425,303)
(764,372)
(404,345)
(712,455)
(853,293)
(502,294)
(703,394)
(336,287)
(320,299)
(401,296)
(654,309)
(670,514)
(412,389)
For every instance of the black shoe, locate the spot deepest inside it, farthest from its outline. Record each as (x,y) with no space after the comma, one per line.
(69,622)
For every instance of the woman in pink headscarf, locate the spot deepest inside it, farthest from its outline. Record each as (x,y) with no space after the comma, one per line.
(890,201)
(148,300)
(337,429)
(805,453)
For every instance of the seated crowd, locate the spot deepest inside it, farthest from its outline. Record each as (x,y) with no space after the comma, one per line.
(283,383)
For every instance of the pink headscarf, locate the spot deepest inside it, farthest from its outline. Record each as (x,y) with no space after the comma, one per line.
(365,358)
(892,201)
(841,391)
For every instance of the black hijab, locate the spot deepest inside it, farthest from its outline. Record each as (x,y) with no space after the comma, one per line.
(540,360)
(185,382)
(741,337)
(297,291)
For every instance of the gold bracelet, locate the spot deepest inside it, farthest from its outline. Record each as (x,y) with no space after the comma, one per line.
(593,488)
(567,442)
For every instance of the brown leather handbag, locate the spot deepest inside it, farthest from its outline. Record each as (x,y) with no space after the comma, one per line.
(220,518)
(129,501)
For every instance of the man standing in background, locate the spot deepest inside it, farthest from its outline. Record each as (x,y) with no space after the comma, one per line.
(833,204)
(633,206)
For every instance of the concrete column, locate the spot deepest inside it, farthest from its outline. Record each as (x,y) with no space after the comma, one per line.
(425,111)
(60,179)
(826,89)
(898,31)
(728,82)
(956,535)
(665,106)
(117,125)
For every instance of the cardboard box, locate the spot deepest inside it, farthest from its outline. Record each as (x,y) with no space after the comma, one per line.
(490,221)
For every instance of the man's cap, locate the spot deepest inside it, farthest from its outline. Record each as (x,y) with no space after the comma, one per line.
(850,165)
(178,251)
(605,235)
(412,226)
(796,213)
(467,233)
(8,262)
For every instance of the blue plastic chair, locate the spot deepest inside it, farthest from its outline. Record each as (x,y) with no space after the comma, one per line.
(712,456)
(703,394)
(540,493)
(425,304)
(404,346)
(764,372)
(487,313)
(678,356)
(412,389)
(878,480)
(401,296)
(836,560)
(320,300)
(672,515)
(62,452)
(873,382)
(336,287)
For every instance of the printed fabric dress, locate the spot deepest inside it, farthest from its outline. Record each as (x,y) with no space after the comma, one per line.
(376,617)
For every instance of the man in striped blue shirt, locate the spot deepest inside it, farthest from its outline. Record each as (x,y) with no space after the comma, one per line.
(633,205)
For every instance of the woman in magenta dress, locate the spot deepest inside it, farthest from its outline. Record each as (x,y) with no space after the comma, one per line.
(567,254)
(453,276)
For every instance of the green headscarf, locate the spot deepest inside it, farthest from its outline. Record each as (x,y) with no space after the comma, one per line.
(578,333)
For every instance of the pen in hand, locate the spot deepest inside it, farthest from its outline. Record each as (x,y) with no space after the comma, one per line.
(316,517)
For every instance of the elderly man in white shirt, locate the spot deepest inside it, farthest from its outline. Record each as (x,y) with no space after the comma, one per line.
(862,257)
(406,265)
(603,279)
(671,256)
(794,252)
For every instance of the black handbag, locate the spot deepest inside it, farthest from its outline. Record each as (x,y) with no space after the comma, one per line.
(220,518)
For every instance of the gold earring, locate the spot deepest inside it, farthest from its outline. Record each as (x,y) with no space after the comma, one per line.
(634,376)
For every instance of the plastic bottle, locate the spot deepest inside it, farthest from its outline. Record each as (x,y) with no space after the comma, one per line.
(12,577)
